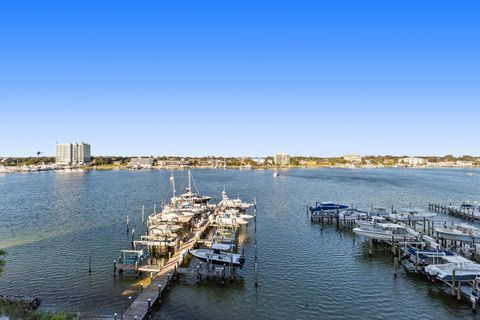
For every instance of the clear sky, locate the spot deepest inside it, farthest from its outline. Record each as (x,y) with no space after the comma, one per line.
(321,78)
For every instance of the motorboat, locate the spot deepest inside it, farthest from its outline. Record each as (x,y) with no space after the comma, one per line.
(236,204)
(231,218)
(465,270)
(371,222)
(219,254)
(385,232)
(378,211)
(411,214)
(353,215)
(459,232)
(327,206)
(426,256)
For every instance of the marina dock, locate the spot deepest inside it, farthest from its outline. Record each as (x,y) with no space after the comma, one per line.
(152,294)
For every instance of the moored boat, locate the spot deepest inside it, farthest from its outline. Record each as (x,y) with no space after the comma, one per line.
(219,254)
(459,232)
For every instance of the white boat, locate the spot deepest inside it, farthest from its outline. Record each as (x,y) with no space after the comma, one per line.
(189,197)
(237,204)
(385,232)
(352,214)
(370,222)
(219,255)
(411,214)
(465,270)
(459,232)
(231,218)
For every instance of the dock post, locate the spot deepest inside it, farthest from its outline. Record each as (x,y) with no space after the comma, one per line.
(114,316)
(458,290)
(114,268)
(143,213)
(393,246)
(127,225)
(417,260)
(424,222)
(130,300)
(370,247)
(141,288)
(395,267)
(159,290)
(149,305)
(90,263)
(453,282)
(256,275)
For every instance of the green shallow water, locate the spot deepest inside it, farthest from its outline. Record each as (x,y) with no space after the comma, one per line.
(52,222)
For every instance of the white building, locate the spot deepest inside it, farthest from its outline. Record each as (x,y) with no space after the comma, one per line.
(352,158)
(411,161)
(282,159)
(140,162)
(72,153)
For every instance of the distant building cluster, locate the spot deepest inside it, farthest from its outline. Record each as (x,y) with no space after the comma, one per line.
(352,158)
(412,162)
(141,162)
(281,159)
(72,153)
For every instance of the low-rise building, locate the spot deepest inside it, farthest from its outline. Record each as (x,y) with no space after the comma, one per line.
(141,162)
(352,158)
(282,159)
(412,161)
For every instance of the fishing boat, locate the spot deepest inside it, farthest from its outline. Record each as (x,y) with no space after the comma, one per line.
(353,215)
(465,270)
(426,256)
(411,214)
(231,218)
(459,232)
(370,222)
(327,206)
(385,232)
(219,254)
(236,204)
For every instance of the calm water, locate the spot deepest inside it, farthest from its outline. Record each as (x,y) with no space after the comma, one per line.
(51,223)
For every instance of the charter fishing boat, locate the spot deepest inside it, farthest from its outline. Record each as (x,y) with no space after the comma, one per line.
(465,270)
(459,232)
(411,214)
(236,204)
(230,218)
(219,254)
(385,232)
(327,206)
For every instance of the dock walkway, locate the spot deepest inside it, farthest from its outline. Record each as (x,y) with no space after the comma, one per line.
(153,292)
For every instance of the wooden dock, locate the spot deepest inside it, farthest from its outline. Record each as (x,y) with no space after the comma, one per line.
(466,214)
(150,295)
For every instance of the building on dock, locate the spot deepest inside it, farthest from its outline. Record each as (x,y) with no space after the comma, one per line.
(72,153)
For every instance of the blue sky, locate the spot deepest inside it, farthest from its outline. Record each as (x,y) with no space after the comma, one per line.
(235,78)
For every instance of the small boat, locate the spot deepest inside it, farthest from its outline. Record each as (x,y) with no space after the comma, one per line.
(327,206)
(411,214)
(370,222)
(379,211)
(459,232)
(276,173)
(385,232)
(236,204)
(426,256)
(352,215)
(465,270)
(219,254)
